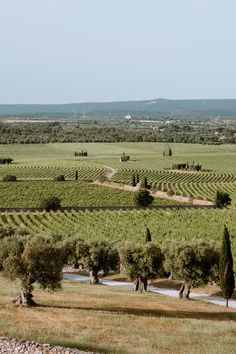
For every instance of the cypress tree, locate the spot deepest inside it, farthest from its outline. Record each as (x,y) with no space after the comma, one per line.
(148,237)
(145,182)
(137,178)
(76,175)
(226,272)
(133,181)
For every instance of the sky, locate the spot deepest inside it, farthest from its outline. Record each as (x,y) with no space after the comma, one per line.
(64,51)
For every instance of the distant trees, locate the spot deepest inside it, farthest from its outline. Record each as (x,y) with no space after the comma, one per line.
(143,198)
(81,153)
(51,203)
(59,178)
(9,178)
(97,256)
(76,175)
(141,262)
(222,199)
(196,262)
(167,151)
(133,180)
(5,160)
(31,260)
(226,273)
(186,166)
(124,157)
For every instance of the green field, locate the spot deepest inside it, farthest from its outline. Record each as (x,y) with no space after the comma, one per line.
(44,162)
(143,155)
(128,225)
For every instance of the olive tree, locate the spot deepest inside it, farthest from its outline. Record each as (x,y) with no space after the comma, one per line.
(141,262)
(31,260)
(195,263)
(97,256)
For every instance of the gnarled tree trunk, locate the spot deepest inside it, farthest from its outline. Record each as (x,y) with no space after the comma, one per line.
(93,277)
(140,284)
(25,298)
(184,291)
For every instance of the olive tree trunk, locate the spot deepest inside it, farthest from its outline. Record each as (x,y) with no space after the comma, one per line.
(140,284)
(25,298)
(184,291)
(93,277)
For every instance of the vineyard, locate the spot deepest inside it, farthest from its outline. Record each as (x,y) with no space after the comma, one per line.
(49,170)
(200,185)
(29,194)
(127,225)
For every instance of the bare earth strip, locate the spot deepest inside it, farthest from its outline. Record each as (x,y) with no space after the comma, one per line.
(159,194)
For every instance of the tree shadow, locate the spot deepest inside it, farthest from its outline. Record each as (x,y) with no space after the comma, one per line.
(198,315)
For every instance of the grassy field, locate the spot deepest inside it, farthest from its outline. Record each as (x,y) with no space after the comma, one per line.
(142,155)
(110,320)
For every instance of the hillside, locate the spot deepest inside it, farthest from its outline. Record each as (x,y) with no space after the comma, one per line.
(155,107)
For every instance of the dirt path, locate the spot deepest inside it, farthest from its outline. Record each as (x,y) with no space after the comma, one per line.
(180,198)
(158,194)
(217,300)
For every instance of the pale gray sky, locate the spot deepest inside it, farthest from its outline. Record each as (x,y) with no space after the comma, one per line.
(61,51)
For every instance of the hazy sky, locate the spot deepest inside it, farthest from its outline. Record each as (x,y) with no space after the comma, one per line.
(61,51)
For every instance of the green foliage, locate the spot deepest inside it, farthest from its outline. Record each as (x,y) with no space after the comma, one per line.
(5,160)
(9,178)
(7,231)
(143,198)
(141,260)
(76,175)
(59,178)
(32,260)
(97,256)
(222,199)
(195,262)
(133,181)
(51,203)
(226,273)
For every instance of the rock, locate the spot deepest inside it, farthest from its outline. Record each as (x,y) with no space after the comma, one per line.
(13,346)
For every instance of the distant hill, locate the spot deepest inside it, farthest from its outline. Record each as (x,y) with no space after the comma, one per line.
(155,107)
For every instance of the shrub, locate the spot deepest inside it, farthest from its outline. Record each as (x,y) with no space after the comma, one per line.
(222,199)
(51,203)
(143,198)
(59,178)
(9,178)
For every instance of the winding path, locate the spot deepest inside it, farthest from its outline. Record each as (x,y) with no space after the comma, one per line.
(217,300)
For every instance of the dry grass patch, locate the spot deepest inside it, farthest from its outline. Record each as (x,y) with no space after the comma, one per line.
(111,320)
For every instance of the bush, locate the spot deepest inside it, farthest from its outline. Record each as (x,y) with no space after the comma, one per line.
(143,198)
(59,178)
(222,199)
(9,178)
(51,203)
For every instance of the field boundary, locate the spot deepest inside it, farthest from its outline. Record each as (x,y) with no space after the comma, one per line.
(115,207)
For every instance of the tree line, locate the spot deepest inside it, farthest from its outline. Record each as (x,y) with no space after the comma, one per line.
(40,259)
(112,131)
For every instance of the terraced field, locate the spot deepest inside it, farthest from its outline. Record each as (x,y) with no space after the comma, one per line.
(42,170)
(201,185)
(128,225)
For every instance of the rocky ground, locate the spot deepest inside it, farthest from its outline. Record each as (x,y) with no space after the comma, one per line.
(13,346)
